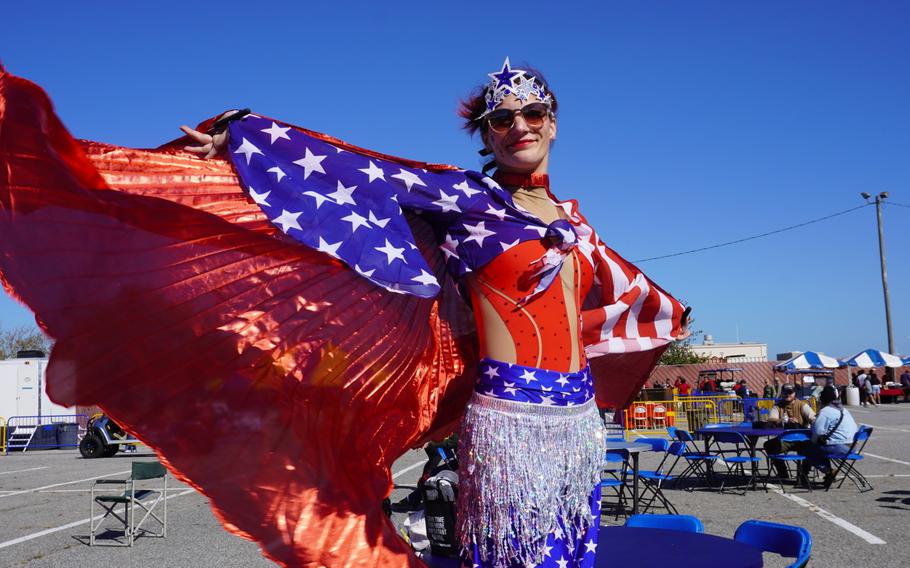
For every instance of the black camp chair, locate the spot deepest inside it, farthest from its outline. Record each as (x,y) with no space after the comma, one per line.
(146,499)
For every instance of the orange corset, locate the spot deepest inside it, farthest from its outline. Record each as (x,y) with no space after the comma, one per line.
(546,332)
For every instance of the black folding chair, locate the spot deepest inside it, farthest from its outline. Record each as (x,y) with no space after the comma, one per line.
(133,497)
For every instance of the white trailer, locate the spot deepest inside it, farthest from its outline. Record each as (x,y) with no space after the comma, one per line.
(22,390)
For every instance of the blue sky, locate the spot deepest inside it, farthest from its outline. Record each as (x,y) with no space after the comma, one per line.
(682,125)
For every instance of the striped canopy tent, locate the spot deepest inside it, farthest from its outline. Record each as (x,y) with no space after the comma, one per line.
(906,361)
(874,358)
(809,360)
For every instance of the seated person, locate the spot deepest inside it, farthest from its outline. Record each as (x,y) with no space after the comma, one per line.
(787,410)
(832,433)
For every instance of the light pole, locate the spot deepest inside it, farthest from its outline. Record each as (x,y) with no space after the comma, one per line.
(881,254)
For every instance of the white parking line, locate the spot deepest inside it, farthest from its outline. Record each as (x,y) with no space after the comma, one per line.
(69,525)
(170,490)
(886,459)
(36,489)
(889,428)
(21,470)
(409,468)
(844,524)
(890,475)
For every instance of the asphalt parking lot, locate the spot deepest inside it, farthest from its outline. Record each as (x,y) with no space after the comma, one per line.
(44,507)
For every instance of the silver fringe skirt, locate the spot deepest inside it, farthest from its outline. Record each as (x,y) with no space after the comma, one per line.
(524,468)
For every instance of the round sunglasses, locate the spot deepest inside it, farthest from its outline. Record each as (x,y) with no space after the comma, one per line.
(503,119)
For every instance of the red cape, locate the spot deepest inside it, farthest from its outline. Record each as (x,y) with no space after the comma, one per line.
(266,375)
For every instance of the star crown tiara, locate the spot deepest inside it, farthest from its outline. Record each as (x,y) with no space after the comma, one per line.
(508,81)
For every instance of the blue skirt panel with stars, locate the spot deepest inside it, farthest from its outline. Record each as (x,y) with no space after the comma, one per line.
(535,386)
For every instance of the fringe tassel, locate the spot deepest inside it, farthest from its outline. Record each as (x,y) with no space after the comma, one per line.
(525,468)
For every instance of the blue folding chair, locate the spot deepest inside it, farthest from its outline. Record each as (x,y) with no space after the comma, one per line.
(685,523)
(846,463)
(613,477)
(653,480)
(699,464)
(787,458)
(786,540)
(736,452)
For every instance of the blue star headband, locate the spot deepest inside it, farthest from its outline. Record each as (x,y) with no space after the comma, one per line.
(508,81)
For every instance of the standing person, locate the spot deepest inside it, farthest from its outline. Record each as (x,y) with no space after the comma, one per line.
(767,391)
(682,387)
(905,384)
(777,387)
(862,382)
(708,385)
(741,389)
(302,277)
(515,115)
(832,433)
(875,388)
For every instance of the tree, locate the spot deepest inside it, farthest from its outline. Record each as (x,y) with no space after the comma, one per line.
(22,338)
(681,352)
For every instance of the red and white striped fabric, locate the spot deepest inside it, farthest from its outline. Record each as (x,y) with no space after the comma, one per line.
(627,321)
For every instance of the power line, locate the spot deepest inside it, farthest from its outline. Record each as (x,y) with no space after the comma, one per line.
(898,204)
(753,237)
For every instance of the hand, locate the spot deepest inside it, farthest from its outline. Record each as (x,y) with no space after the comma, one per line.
(684,332)
(210,145)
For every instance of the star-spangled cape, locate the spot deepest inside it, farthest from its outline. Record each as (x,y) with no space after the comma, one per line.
(269,375)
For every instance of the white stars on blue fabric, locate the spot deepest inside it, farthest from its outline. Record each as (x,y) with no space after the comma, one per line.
(247,149)
(309,162)
(277,132)
(534,386)
(561,549)
(352,205)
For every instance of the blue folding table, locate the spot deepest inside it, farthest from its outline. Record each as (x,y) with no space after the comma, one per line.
(659,548)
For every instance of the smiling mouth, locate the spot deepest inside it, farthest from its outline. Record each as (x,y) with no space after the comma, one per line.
(521,144)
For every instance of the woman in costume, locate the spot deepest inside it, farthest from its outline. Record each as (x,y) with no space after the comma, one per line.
(288,351)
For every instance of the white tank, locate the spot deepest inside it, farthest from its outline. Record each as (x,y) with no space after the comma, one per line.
(852,396)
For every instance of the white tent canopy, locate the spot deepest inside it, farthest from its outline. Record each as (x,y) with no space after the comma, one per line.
(874,358)
(809,360)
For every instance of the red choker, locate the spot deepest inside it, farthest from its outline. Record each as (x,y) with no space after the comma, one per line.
(522,180)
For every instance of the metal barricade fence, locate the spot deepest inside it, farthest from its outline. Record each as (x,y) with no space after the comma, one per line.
(730,410)
(694,412)
(49,431)
(652,417)
(686,412)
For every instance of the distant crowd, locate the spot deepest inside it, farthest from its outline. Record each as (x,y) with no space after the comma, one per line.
(870,386)
(868,382)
